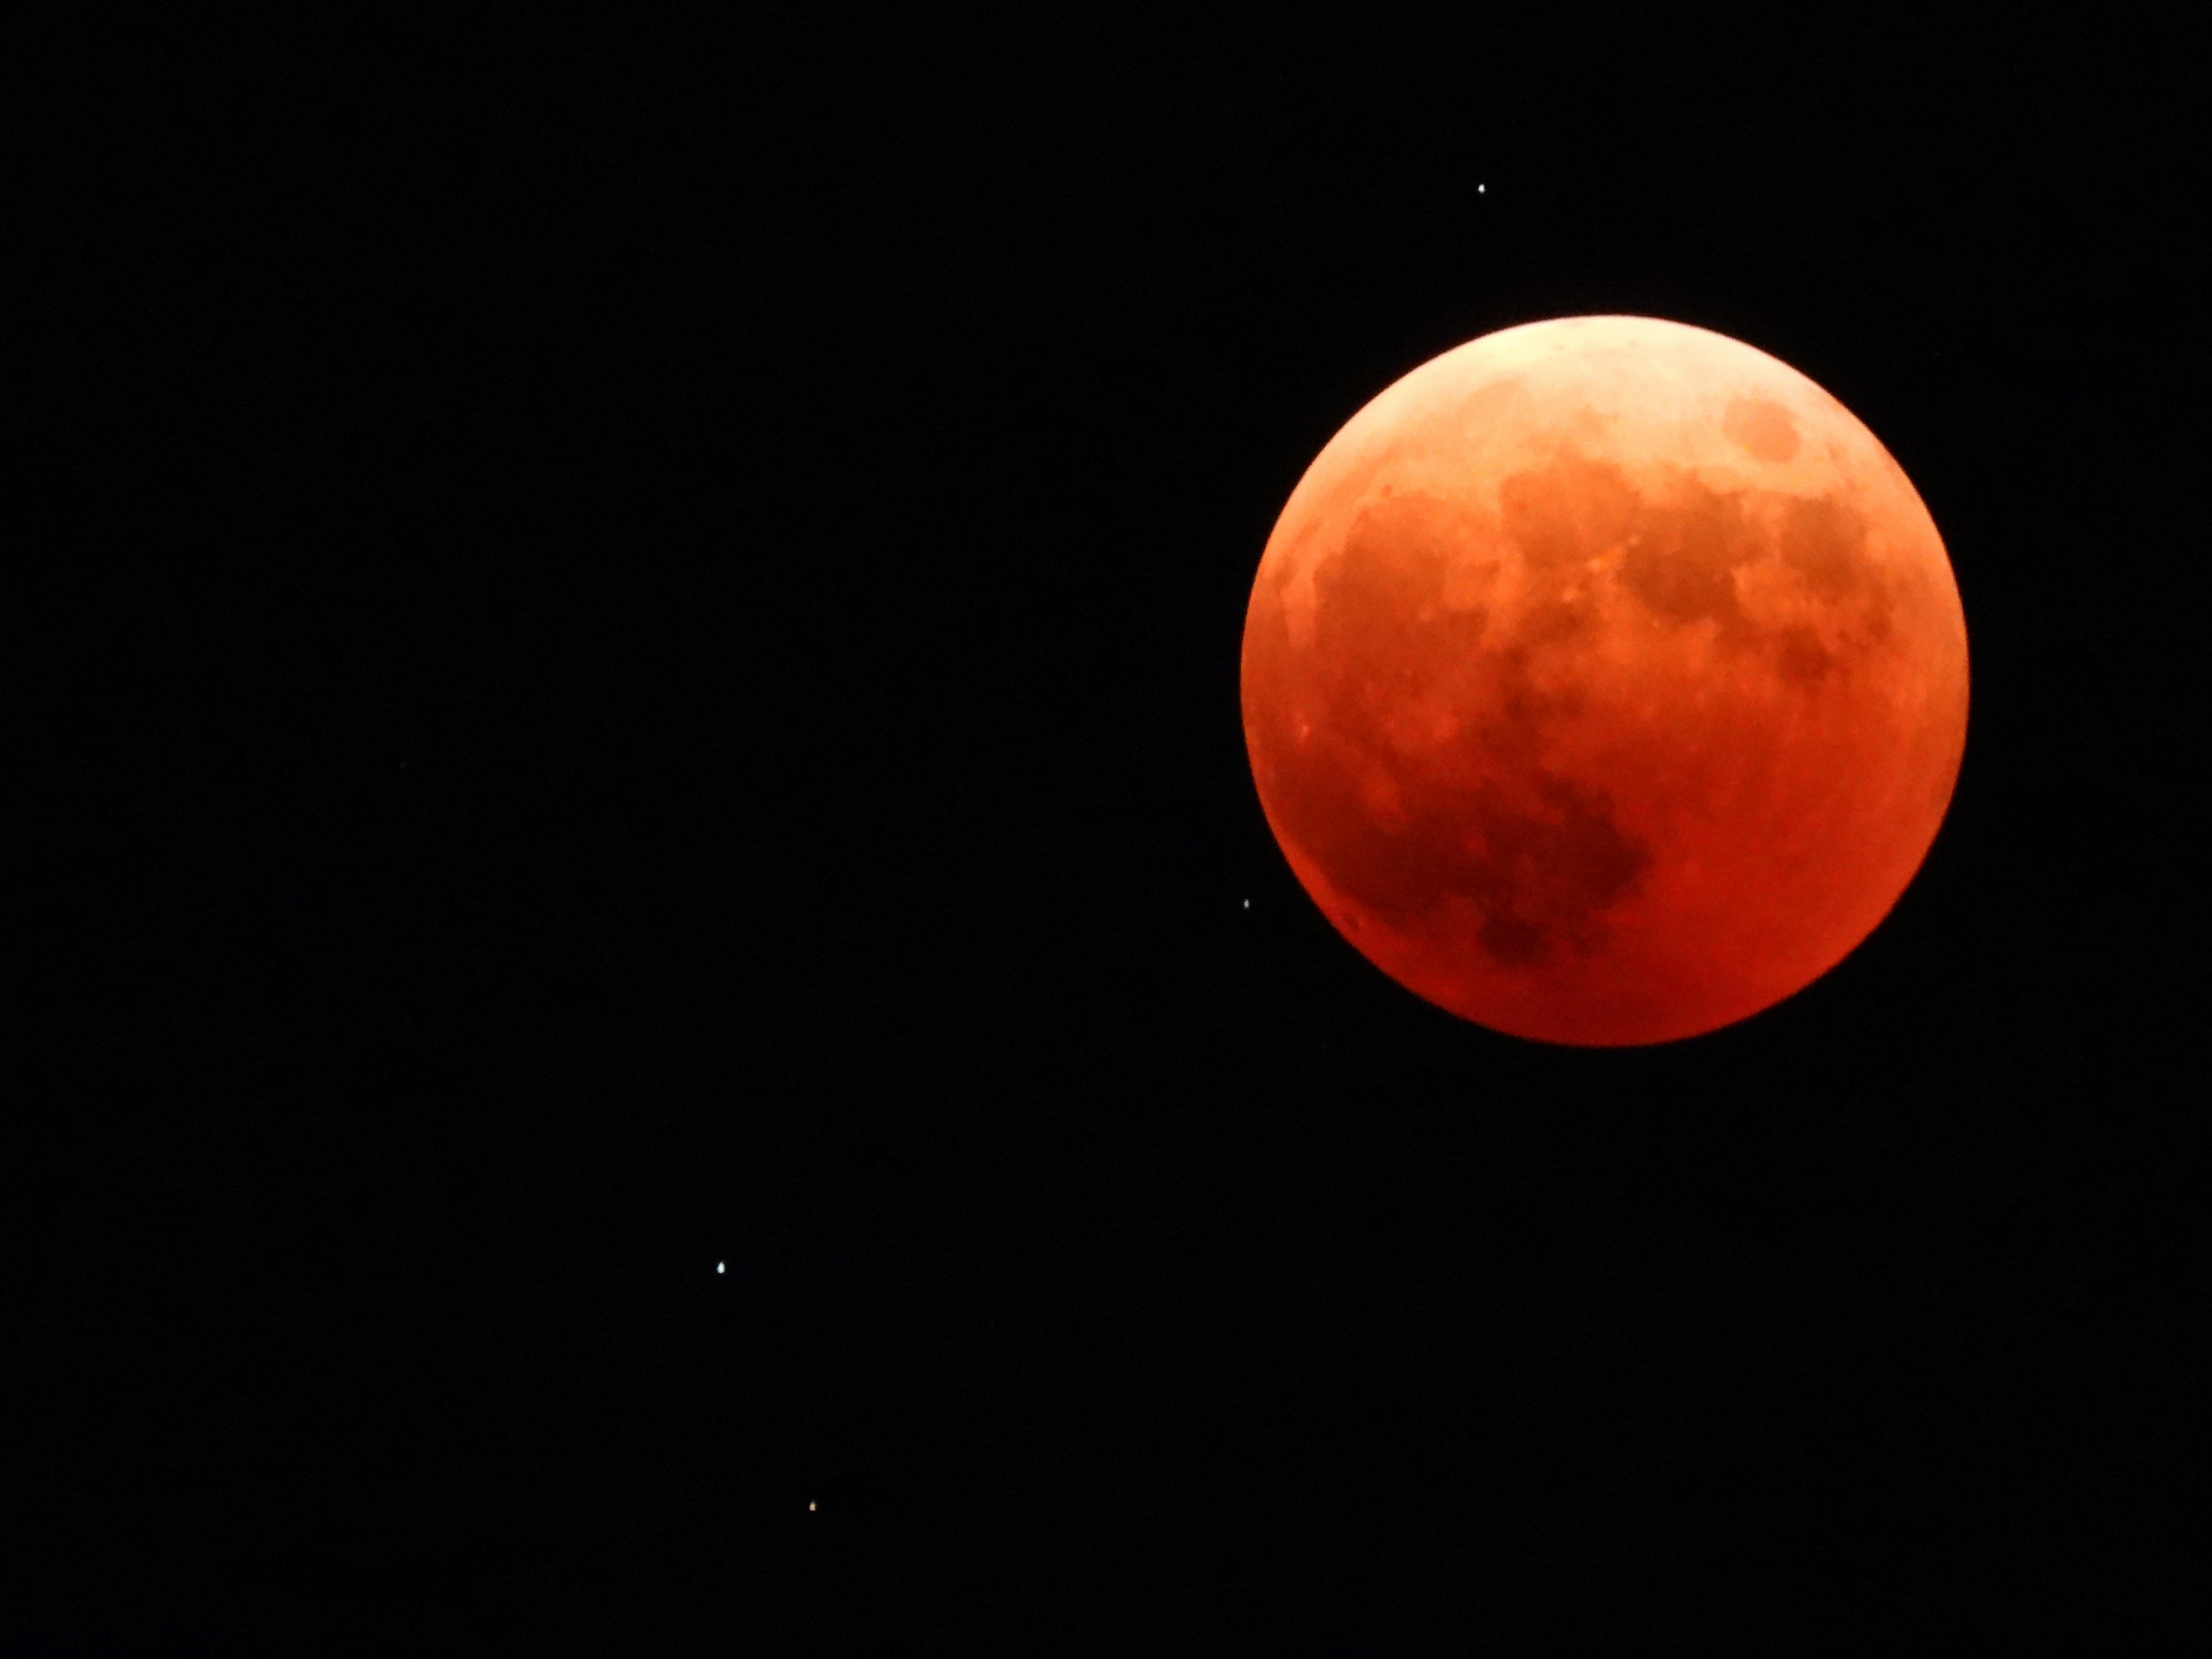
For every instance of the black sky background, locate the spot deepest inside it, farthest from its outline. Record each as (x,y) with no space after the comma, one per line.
(647,677)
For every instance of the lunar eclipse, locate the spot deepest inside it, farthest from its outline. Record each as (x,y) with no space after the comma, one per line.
(1604,681)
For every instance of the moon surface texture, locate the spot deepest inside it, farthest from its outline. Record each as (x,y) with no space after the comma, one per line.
(1605,681)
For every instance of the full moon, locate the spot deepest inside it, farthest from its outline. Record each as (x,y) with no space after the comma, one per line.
(1605,681)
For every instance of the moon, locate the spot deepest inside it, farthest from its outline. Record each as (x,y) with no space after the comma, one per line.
(1604,681)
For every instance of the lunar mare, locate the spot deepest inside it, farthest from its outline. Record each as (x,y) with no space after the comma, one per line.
(1605,681)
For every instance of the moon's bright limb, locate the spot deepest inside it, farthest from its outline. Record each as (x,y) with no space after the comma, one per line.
(1605,681)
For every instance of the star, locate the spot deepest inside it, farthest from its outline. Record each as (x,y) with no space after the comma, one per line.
(720,1266)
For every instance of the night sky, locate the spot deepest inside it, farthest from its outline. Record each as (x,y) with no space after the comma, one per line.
(647,677)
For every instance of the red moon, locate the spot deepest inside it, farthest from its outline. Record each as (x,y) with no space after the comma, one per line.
(1605,681)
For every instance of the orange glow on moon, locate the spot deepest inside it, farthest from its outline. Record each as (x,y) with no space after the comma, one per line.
(1605,681)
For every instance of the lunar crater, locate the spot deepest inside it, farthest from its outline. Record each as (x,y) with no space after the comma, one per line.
(1762,428)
